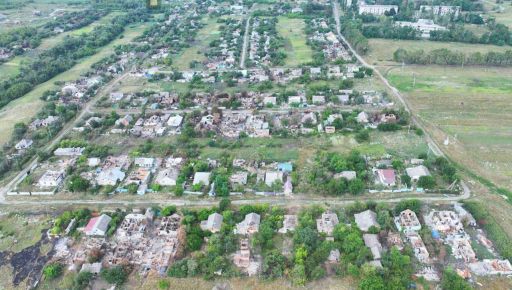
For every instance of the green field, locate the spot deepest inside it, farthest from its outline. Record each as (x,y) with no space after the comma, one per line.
(381,50)
(297,51)
(472,107)
(196,50)
(26,107)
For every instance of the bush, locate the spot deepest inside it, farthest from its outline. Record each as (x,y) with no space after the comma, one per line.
(168,210)
(163,284)
(52,271)
(116,275)
(427,182)
(82,280)
(178,269)
(362,136)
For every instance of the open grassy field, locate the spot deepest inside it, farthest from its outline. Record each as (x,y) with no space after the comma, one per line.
(18,231)
(25,108)
(381,50)
(298,52)
(195,52)
(471,106)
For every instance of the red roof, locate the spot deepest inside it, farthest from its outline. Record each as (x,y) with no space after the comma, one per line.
(91,224)
(388,174)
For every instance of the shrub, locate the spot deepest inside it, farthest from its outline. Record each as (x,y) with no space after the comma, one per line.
(52,271)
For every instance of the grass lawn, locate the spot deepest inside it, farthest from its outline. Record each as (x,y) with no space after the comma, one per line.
(26,107)
(196,50)
(382,50)
(297,51)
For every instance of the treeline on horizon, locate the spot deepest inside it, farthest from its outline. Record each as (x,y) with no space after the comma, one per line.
(444,56)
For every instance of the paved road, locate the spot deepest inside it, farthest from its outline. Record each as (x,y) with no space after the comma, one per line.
(430,141)
(246,43)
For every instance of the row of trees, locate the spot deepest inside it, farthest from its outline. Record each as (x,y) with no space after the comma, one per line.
(498,34)
(445,56)
(30,36)
(351,29)
(63,56)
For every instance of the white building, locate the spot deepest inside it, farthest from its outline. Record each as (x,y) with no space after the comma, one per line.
(423,25)
(23,144)
(441,9)
(98,226)
(376,9)
(73,151)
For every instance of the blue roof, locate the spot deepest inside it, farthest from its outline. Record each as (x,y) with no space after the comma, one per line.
(285,167)
(435,234)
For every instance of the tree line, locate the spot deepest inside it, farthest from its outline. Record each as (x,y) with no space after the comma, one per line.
(64,55)
(445,56)
(30,37)
(352,31)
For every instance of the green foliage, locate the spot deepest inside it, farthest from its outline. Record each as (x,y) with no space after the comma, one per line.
(362,136)
(412,204)
(224,204)
(168,210)
(298,275)
(52,271)
(115,275)
(371,279)
(495,232)
(406,179)
(194,242)
(82,280)
(427,182)
(179,269)
(453,281)
(447,170)
(164,284)
(274,265)
(77,183)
